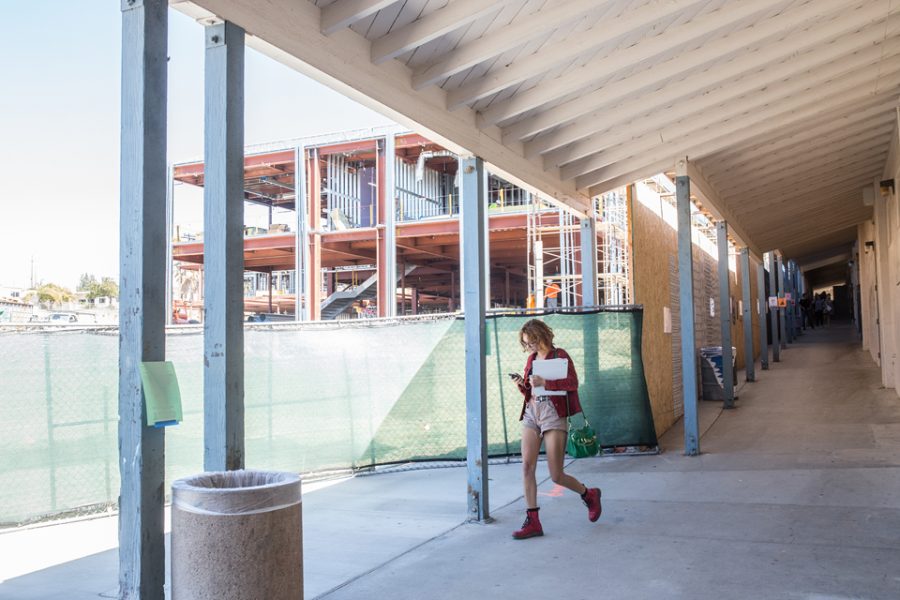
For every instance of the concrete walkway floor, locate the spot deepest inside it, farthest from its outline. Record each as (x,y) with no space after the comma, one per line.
(796,496)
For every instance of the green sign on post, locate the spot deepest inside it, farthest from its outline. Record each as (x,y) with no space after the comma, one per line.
(161,393)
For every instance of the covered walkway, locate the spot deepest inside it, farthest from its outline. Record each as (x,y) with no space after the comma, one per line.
(797,495)
(778,121)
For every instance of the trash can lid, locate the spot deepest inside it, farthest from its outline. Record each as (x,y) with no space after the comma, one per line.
(236,492)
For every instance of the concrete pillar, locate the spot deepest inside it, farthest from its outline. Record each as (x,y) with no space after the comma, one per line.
(387,242)
(314,238)
(725,314)
(170,238)
(223,223)
(686,310)
(773,311)
(142,289)
(301,245)
(474,215)
(746,318)
(782,318)
(762,316)
(589,261)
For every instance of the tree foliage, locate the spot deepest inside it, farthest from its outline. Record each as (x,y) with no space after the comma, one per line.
(98,289)
(52,294)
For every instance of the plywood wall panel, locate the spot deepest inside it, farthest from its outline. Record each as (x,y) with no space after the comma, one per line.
(655,282)
(653,251)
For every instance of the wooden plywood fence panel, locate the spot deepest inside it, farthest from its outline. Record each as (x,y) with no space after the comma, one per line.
(655,281)
(653,250)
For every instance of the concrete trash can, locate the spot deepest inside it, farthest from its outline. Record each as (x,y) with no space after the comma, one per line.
(237,535)
(711,374)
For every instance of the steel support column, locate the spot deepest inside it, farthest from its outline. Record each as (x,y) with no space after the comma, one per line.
(762,316)
(474,228)
(773,311)
(589,261)
(170,238)
(142,288)
(223,223)
(686,310)
(725,314)
(788,287)
(301,239)
(749,362)
(487,245)
(854,288)
(794,304)
(797,294)
(386,229)
(782,318)
(314,238)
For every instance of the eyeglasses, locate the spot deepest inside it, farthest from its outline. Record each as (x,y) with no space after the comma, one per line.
(529,343)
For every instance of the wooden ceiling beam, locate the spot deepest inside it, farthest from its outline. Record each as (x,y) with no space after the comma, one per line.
(802,134)
(451,17)
(595,71)
(540,23)
(865,157)
(839,141)
(742,74)
(722,106)
(762,124)
(805,230)
(819,180)
(289,31)
(567,50)
(344,13)
(728,123)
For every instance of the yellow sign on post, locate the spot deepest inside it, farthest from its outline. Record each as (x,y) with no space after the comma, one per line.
(782,302)
(161,393)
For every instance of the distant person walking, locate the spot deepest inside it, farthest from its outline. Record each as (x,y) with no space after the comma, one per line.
(806,312)
(544,418)
(828,309)
(819,308)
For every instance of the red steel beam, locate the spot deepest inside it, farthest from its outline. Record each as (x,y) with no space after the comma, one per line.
(195,169)
(419,229)
(348,147)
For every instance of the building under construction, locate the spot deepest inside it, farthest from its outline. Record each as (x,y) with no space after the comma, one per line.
(377,213)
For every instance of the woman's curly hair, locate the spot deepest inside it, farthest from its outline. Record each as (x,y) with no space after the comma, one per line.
(538,332)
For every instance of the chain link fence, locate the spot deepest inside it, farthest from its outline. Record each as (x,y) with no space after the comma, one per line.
(318,397)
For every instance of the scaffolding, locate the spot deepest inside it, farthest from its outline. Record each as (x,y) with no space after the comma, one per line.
(614,270)
(559,263)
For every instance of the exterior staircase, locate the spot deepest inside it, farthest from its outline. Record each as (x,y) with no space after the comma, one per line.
(339,302)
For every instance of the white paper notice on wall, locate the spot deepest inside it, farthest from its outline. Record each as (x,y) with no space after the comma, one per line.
(773,301)
(712,307)
(667,320)
(740,310)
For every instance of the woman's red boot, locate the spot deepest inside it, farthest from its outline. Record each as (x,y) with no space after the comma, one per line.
(591,499)
(531,527)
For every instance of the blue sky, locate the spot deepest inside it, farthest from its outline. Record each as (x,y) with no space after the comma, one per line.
(59,126)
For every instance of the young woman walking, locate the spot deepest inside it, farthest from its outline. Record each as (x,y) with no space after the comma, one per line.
(544,419)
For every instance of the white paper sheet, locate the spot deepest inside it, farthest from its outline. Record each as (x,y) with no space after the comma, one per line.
(553,368)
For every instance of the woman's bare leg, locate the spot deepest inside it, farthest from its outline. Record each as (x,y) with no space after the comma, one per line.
(531,447)
(555,445)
